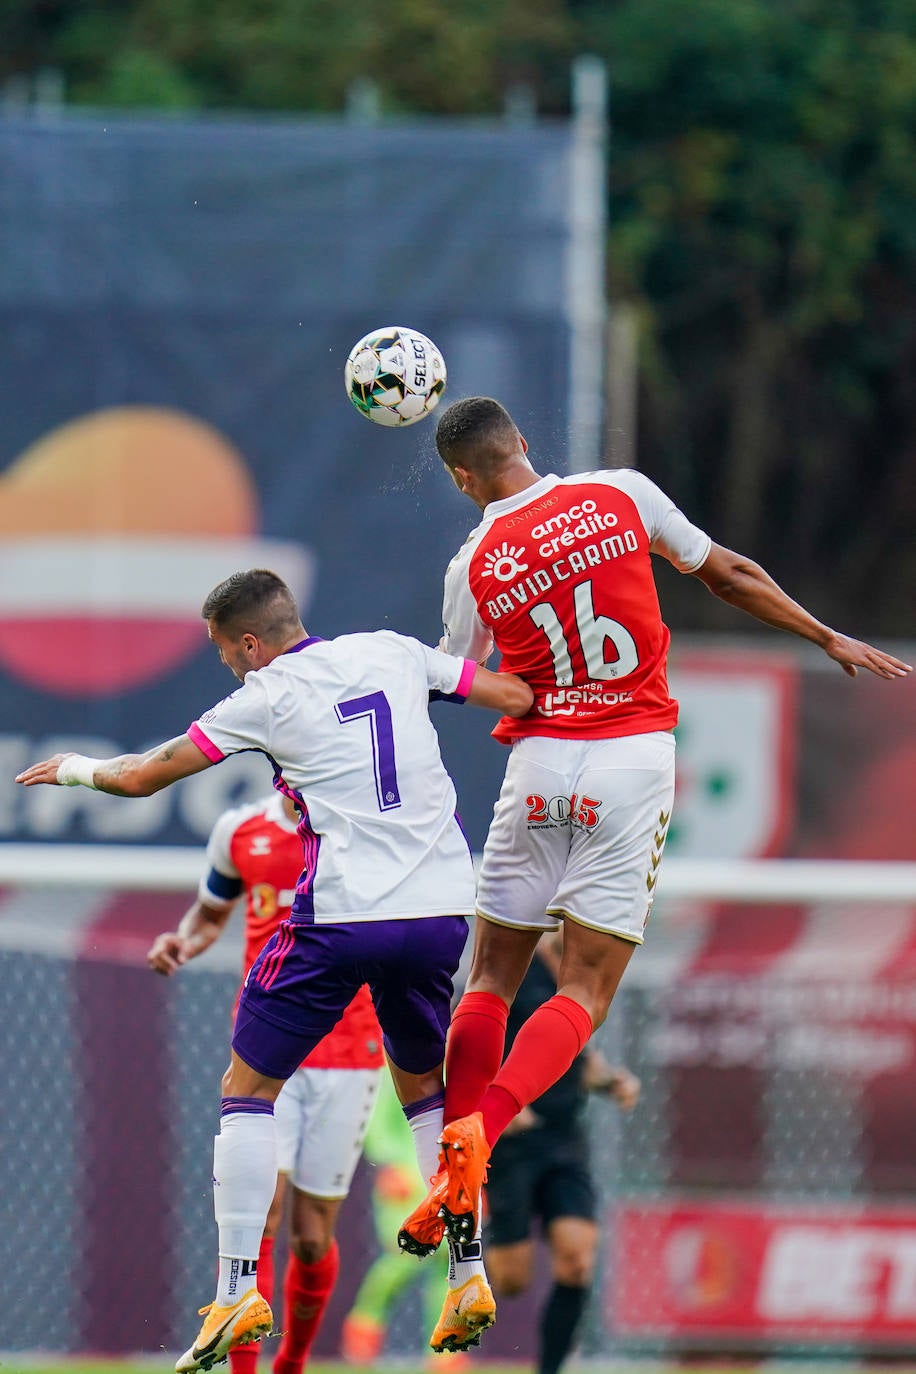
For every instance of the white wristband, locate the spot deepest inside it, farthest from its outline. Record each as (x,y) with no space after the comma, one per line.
(76,770)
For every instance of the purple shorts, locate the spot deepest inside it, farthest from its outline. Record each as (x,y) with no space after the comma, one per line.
(306,975)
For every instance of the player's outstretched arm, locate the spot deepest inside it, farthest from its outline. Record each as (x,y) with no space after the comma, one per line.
(128,775)
(503,692)
(199,928)
(743,583)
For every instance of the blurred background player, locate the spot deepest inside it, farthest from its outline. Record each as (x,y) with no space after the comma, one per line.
(383,896)
(395,1187)
(540,1175)
(558,577)
(323,1111)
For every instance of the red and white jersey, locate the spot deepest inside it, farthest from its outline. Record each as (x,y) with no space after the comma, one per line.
(558,578)
(346,724)
(256,850)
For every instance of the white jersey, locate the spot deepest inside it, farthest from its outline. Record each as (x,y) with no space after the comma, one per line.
(345,724)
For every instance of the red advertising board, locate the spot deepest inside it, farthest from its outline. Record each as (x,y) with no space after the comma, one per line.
(756,1273)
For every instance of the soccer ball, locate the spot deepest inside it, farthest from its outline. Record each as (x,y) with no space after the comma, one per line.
(395,376)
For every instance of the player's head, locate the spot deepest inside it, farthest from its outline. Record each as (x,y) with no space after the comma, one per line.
(478,433)
(478,441)
(251,618)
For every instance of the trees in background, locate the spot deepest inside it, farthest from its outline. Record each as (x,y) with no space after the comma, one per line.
(762,210)
(762,221)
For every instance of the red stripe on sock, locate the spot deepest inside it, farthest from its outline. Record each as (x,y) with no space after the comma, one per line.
(307,1289)
(474,1052)
(544,1049)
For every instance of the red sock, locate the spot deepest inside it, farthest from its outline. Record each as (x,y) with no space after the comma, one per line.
(474,1051)
(245,1359)
(544,1049)
(306,1291)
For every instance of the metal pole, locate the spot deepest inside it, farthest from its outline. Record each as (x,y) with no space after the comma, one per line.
(622,386)
(586,309)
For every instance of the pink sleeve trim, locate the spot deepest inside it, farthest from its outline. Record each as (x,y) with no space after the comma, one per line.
(467,677)
(206,746)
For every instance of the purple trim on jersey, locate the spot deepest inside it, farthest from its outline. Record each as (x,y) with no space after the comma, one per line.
(426,1104)
(304,901)
(304,644)
(224,888)
(464,834)
(248,1106)
(206,746)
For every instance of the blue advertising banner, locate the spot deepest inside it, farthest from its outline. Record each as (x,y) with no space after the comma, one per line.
(176,305)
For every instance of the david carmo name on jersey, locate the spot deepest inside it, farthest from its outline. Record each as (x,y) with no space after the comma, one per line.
(545,579)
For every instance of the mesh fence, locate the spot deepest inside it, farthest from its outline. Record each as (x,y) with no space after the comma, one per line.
(775,1139)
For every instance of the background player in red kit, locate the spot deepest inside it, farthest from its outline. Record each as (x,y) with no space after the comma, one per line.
(558,578)
(324,1109)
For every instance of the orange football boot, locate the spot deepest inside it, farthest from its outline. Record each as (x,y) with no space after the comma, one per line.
(467,1312)
(423,1230)
(466,1153)
(225,1329)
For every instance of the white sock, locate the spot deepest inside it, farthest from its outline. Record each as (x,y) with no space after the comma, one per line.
(466,1260)
(425,1120)
(244,1180)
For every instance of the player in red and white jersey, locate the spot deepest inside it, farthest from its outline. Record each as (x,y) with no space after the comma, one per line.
(557,576)
(323,1111)
(530,578)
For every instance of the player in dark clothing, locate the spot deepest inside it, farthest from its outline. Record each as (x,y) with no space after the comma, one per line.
(539,1171)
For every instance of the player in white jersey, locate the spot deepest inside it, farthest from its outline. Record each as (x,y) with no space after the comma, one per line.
(322,1114)
(382,899)
(557,576)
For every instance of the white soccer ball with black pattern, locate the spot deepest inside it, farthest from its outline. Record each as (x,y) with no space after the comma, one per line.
(395,376)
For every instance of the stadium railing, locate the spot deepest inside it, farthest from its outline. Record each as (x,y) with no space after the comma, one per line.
(771,1018)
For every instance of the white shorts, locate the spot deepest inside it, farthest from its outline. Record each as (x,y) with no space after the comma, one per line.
(578,832)
(321,1117)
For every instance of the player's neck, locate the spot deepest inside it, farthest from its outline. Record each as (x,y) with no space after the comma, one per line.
(509,482)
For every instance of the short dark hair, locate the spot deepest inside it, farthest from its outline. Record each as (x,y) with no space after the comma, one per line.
(254,602)
(478,432)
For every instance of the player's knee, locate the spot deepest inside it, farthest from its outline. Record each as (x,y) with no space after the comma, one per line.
(509,1273)
(309,1248)
(509,1284)
(574,1269)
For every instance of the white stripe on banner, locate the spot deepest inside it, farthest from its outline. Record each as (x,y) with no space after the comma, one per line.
(846,939)
(42,921)
(136,576)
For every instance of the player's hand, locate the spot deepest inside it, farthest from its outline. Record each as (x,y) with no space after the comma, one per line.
(45,771)
(624,1089)
(396,1184)
(167,953)
(852,654)
(618,1083)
